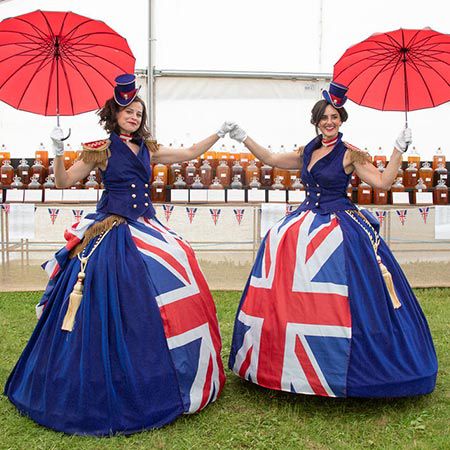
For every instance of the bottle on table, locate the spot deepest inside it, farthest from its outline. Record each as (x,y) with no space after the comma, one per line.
(175,169)
(160,171)
(179,183)
(414,157)
(266,175)
(438,158)
(158,194)
(16,183)
(23,171)
(237,171)
(441,173)
(440,194)
(206,173)
(34,182)
(410,175)
(6,173)
(42,154)
(252,171)
(365,193)
(236,183)
(278,183)
(216,184)
(38,169)
(418,188)
(379,156)
(49,183)
(297,185)
(91,182)
(197,184)
(191,173)
(426,174)
(223,173)
(254,183)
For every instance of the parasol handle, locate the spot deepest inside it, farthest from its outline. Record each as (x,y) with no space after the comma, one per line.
(406,126)
(67,137)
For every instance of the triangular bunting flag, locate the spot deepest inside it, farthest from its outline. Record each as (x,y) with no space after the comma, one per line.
(6,207)
(53,212)
(215,214)
(77,214)
(381,215)
(239,214)
(424,213)
(191,213)
(402,215)
(168,209)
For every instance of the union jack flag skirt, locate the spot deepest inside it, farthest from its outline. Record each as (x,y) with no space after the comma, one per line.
(145,347)
(316,318)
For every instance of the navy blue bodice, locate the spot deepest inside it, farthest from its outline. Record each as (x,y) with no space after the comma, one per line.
(326,184)
(127,182)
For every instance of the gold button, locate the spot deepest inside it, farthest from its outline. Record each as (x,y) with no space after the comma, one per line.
(135,206)
(133,195)
(133,185)
(146,204)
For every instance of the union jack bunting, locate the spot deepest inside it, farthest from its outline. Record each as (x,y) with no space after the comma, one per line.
(381,215)
(191,212)
(180,293)
(424,213)
(77,214)
(302,345)
(402,215)
(53,212)
(239,214)
(215,214)
(168,209)
(6,207)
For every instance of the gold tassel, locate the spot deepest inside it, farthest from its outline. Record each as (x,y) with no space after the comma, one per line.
(74,302)
(389,284)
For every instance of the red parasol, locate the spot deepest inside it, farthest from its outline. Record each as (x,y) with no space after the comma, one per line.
(59,63)
(402,70)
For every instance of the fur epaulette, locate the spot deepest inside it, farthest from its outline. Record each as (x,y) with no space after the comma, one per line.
(152,145)
(357,155)
(96,152)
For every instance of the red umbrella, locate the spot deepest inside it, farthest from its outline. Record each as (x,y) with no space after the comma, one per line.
(402,70)
(59,63)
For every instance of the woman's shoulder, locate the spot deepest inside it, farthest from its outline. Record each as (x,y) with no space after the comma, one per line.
(95,151)
(355,154)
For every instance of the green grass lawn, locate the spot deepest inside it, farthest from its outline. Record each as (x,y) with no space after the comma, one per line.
(246,416)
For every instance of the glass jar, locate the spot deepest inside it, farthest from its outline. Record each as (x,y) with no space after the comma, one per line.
(410,175)
(355,180)
(6,173)
(283,174)
(38,169)
(419,187)
(174,170)
(398,186)
(23,171)
(400,173)
(16,183)
(266,175)
(4,154)
(379,157)
(237,171)
(297,185)
(91,182)
(440,194)
(211,157)
(197,184)
(206,173)
(158,194)
(179,183)
(252,171)
(364,194)
(278,183)
(34,182)
(441,173)
(236,183)
(223,173)
(414,157)
(381,165)
(380,196)
(49,183)
(51,169)
(254,183)
(160,171)
(191,173)
(426,173)
(42,155)
(438,158)
(216,184)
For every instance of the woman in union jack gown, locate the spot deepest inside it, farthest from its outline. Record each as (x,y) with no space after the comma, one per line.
(128,338)
(327,309)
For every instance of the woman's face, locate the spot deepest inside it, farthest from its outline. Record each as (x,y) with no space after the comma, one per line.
(330,122)
(129,118)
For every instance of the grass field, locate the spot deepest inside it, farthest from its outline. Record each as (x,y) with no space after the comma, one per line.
(249,417)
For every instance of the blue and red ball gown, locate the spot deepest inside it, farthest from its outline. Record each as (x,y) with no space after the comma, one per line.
(317,316)
(145,345)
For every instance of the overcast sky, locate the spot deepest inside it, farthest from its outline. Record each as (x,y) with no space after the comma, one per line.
(282,35)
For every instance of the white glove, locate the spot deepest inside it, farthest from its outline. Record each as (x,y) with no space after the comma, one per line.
(57,143)
(238,134)
(403,140)
(225,128)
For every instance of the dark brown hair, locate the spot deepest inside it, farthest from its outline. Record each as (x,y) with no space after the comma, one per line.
(108,118)
(318,111)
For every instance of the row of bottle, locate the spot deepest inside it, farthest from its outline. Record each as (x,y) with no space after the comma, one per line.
(367,195)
